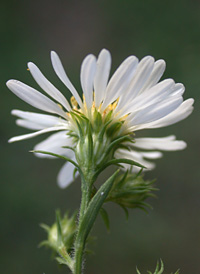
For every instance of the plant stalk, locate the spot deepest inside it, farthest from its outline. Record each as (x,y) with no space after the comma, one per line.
(80,237)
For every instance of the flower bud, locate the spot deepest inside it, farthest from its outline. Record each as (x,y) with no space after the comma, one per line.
(130,191)
(61,233)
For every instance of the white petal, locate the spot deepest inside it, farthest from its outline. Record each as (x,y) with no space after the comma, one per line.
(47,86)
(101,76)
(135,156)
(42,120)
(59,70)
(34,134)
(65,175)
(155,112)
(164,143)
(34,97)
(143,72)
(28,124)
(152,154)
(88,69)
(54,144)
(138,80)
(178,90)
(182,112)
(149,97)
(120,80)
(156,74)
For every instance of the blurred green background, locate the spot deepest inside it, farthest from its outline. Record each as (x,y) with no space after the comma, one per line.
(29,194)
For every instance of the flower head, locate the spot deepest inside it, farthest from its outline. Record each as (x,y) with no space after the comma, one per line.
(131,100)
(68,227)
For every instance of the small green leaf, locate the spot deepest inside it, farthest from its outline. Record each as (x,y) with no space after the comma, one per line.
(139,173)
(93,209)
(102,132)
(81,133)
(125,211)
(74,173)
(56,155)
(105,218)
(97,120)
(177,272)
(117,162)
(96,203)
(157,271)
(138,272)
(76,115)
(45,227)
(59,229)
(61,261)
(90,143)
(117,141)
(123,179)
(108,116)
(114,128)
(43,243)
(125,161)
(71,148)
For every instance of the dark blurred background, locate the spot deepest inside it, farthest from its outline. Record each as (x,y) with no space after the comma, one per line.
(29,193)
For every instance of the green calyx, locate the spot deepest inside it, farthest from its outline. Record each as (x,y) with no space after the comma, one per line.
(96,140)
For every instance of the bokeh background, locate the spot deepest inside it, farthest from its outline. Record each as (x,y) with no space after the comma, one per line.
(29,194)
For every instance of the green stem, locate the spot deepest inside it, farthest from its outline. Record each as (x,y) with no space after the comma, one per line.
(88,213)
(79,250)
(80,240)
(86,194)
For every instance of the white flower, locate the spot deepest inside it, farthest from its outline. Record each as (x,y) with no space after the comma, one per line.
(134,94)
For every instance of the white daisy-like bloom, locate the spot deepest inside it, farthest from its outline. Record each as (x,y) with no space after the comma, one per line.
(133,93)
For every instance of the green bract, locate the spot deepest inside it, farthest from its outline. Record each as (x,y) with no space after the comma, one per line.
(130,190)
(96,140)
(159,269)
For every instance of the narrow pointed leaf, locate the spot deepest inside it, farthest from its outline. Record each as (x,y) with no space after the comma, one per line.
(44,243)
(45,227)
(97,120)
(108,116)
(71,148)
(117,162)
(161,268)
(102,132)
(93,209)
(138,272)
(114,128)
(59,229)
(56,155)
(61,261)
(124,161)
(105,218)
(125,211)
(90,143)
(123,180)
(74,173)
(177,272)
(117,142)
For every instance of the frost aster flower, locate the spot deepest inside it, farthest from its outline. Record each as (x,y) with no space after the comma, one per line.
(133,96)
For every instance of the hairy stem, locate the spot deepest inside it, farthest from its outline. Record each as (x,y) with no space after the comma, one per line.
(80,239)
(89,211)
